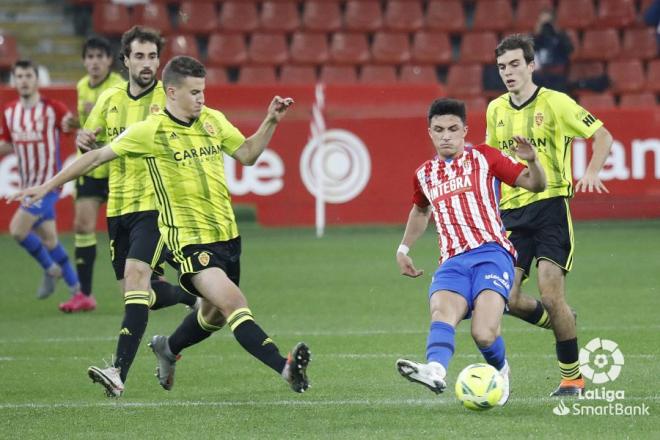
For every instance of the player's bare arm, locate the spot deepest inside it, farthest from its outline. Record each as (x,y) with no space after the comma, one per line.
(418,219)
(602,145)
(69,123)
(249,152)
(79,167)
(532,178)
(86,139)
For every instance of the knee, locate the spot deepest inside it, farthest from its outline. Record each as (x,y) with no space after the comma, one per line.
(17,235)
(484,337)
(213,317)
(49,242)
(82,225)
(137,277)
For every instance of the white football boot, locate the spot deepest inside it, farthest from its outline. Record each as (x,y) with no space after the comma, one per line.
(431,375)
(505,372)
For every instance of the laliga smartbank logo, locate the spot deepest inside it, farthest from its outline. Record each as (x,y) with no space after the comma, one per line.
(601,362)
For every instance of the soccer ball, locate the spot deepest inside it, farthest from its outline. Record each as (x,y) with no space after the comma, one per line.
(479,387)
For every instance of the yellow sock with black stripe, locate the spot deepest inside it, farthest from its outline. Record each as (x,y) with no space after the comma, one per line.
(136,316)
(85,254)
(253,339)
(567,356)
(192,330)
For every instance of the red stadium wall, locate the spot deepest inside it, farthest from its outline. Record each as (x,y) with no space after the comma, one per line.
(377,137)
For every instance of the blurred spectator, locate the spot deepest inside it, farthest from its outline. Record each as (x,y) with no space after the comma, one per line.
(652,18)
(553,51)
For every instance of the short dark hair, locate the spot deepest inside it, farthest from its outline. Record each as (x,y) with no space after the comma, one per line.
(180,67)
(97,42)
(142,34)
(447,106)
(517,41)
(25,64)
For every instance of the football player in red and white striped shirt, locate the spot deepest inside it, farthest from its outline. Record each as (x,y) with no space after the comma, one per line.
(30,126)
(460,187)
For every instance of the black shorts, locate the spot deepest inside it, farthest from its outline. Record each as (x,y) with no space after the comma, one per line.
(223,254)
(541,230)
(89,187)
(135,236)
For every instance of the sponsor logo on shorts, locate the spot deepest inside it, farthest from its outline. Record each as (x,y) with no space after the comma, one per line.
(500,281)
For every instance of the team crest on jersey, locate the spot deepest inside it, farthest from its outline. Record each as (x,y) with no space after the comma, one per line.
(210,129)
(538,118)
(204,258)
(155,108)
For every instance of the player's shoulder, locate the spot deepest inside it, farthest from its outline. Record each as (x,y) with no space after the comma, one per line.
(9,104)
(554,97)
(119,89)
(82,83)
(500,101)
(53,103)
(115,78)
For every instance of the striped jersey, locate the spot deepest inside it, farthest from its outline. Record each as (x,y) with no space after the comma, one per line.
(35,134)
(87,97)
(550,120)
(464,196)
(186,165)
(129,184)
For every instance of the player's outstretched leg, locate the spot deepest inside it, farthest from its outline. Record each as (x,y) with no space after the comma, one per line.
(431,375)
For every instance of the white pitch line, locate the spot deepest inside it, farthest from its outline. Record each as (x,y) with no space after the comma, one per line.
(284,403)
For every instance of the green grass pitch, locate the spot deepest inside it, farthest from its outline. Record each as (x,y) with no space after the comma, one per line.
(342,295)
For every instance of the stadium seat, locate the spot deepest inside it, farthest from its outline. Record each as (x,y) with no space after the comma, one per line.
(279,16)
(404,15)
(597,101)
(226,50)
(575,40)
(198,17)
(349,48)
(378,74)
(599,44)
(180,45)
(363,15)
(238,16)
(615,13)
(528,12)
(216,76)
(446,16)
(298,74)
(585,69)
(474,104)
(493,15)
(331,74)
(478,47)
(431,47)
(575,14)
(110,18)
(257,75)
(626,76)
(390,48)
(418,74)
(465,80)
(639,43)
(653,77)
(309,48)
(638,100)
(153,15)
(322,16)
(8,51)
(268,48)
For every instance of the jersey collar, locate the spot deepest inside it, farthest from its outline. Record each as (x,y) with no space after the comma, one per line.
(524,104)
(101,83)
(179,121)
(146,92)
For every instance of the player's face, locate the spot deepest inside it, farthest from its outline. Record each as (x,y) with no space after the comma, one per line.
(188,97)
(97,63)
(26,82)
(448,135)
(142,63)
(516,74)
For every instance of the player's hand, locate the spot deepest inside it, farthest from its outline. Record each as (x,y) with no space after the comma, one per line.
(407,267)
(29,196)
(590,182)
(524,148)
(86,139)
(278,108)
(69,123)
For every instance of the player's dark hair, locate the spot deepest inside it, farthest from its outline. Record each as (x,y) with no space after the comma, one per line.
(181,67)
(517,41)
(97,42)
(142,34)
(447,106)
(25,64)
